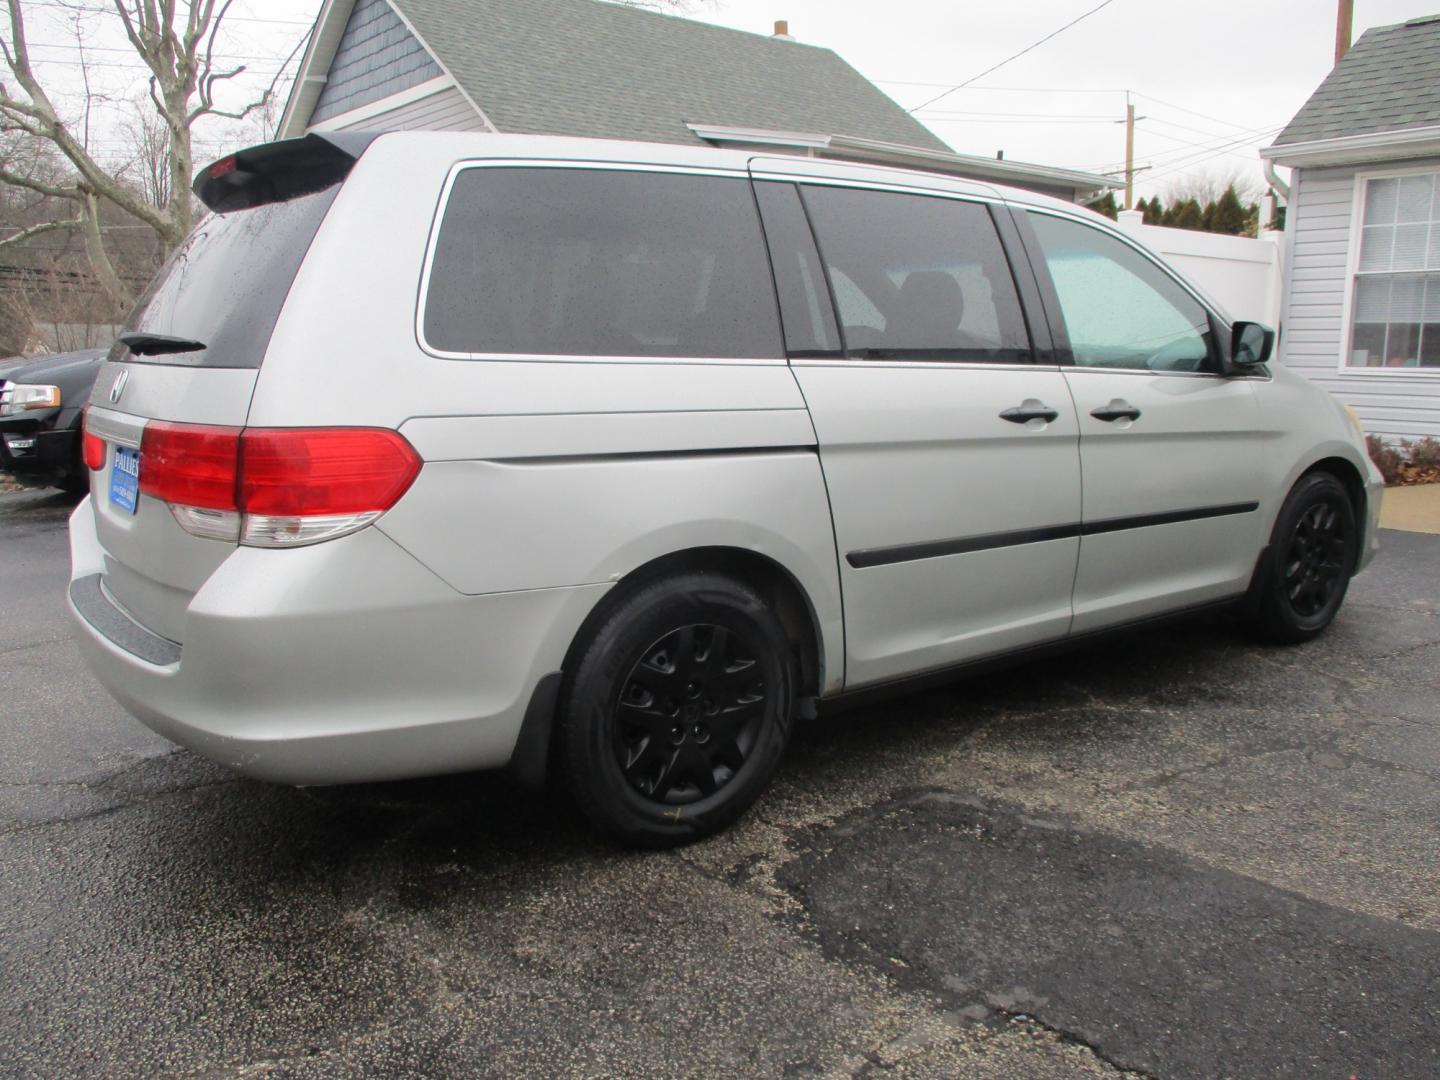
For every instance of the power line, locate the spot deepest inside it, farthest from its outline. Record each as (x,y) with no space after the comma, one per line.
(967,120)
(75,48)
(1187,149)
(1021,115)
(1187,161)
(996,67)
(138,65)
(70,10)
(1198,131)
(1007,89)
(1059,117)
(1182,108)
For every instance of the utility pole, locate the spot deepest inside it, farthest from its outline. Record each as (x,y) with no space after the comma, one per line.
(1344,19)
(1129,153)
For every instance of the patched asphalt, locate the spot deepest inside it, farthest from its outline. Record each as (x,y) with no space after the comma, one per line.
(1178,855)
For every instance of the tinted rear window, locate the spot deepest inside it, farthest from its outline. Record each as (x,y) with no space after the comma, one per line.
(226,283)
(600,263)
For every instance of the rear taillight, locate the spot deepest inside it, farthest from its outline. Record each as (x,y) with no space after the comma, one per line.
(300,485)
(275,487)
(92,447)
(190,464)
(301,471)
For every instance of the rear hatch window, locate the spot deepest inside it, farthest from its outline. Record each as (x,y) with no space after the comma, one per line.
(216,300)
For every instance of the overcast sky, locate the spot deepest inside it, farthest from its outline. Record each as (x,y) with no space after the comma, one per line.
(1204,75)
(1212,81)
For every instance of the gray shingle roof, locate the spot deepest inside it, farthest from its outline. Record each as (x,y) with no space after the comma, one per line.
(1389,81)
(583,67)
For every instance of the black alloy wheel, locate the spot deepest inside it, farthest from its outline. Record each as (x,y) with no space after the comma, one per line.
(676,708)
(689,714)
(1318,559)
(1305,572)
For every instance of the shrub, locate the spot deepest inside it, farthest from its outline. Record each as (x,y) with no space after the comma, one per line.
(1386,458)
(1424,454)
(1415,462)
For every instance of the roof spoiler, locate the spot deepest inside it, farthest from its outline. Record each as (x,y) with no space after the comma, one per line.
(277,171)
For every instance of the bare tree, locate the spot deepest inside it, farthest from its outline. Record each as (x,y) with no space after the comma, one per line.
(1207,187)
(176,40)
(149,165)
(57,308)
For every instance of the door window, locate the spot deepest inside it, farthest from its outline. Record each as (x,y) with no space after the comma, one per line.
(601,263)
(917,277)
(1120,309)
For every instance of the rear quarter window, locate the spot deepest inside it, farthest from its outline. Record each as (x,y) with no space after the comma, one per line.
(592,262)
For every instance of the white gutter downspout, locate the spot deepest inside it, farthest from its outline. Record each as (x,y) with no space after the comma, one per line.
(1281,187)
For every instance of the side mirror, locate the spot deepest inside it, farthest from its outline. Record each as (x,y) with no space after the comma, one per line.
(1250,344)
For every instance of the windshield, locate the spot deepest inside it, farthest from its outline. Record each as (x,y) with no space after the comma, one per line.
(225,285)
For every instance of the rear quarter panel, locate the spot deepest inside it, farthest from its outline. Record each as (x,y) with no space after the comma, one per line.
(540,472)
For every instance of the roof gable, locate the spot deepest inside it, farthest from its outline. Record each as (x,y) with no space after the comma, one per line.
(1389,81)
(582,67)
(376,56)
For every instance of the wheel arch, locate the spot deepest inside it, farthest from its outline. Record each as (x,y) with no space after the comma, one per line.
(1345,471)
(771,578)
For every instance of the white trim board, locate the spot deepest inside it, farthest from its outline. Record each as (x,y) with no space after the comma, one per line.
(397,100)
(1366,149)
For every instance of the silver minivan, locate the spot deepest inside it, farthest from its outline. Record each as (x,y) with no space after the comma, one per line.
(432,452)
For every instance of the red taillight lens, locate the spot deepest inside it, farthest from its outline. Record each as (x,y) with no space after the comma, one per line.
(309,471)
(190,464)
(274,487)
(92,447)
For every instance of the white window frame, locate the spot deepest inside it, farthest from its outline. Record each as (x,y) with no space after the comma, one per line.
(1352,269)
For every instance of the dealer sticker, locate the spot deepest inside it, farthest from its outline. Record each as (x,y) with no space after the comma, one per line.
(125,479)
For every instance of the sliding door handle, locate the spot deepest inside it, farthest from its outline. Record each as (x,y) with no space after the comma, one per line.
(1116,410)
(1030,410)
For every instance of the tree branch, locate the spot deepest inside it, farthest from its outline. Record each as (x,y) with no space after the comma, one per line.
(206,89)
(17,180)
(43,227)
(114,288)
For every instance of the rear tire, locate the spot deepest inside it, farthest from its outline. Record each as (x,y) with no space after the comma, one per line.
(1306,570)
(677,710)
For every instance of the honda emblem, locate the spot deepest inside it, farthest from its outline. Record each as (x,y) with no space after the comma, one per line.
(118,387)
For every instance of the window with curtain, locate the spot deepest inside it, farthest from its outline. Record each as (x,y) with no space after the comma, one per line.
(1395,313)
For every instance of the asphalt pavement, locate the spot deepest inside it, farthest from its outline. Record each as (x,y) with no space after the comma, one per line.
(1176,855)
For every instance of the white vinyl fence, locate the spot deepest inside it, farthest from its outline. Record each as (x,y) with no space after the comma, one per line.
(1242,273)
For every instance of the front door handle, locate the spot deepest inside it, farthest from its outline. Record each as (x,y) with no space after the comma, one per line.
(1118,409)
(1031,410)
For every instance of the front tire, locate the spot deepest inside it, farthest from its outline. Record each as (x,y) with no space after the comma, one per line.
(1306,570)
(677,710)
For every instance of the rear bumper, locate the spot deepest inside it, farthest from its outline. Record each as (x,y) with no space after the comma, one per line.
(342,662)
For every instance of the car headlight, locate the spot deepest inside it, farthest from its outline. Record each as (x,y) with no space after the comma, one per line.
(22,397)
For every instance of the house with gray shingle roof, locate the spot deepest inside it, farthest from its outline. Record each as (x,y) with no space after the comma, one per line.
(1361,313)
(607,70)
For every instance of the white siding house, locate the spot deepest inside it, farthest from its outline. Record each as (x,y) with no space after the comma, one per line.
(1361,312)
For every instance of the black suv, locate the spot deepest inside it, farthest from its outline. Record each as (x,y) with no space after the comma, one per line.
(41,405)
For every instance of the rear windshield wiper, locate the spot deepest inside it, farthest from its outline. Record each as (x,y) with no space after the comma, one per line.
(159,344)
